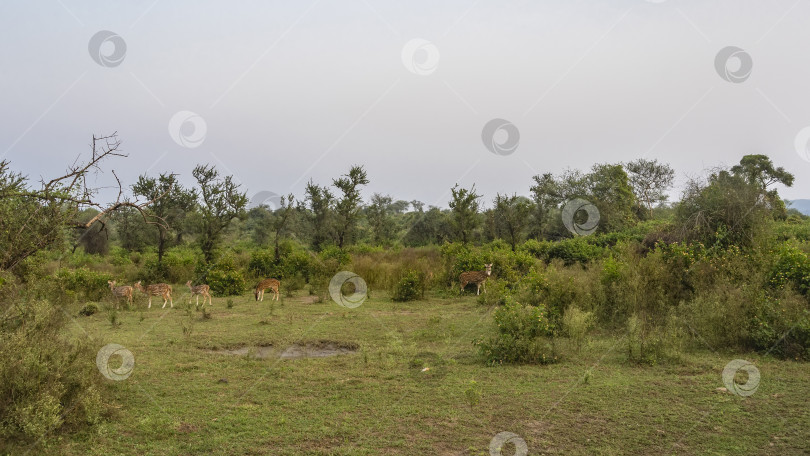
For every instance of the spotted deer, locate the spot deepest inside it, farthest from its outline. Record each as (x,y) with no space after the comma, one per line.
(121,292)
(476,277)
(199,290)
(272,284)
(157,289)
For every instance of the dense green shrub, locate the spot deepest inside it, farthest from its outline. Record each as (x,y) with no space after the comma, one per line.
(781,326)
(506,264)
(90,285)
(792,268)
(48,379)
(524,336)
(409,287)
(538,249)
(225,279)
(335,254)
(574,250)
(294,261)
(262,263)
(90,308)
(460,258)
(497,293)
(180,263)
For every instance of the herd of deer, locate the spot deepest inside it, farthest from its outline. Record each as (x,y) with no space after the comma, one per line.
(164,290)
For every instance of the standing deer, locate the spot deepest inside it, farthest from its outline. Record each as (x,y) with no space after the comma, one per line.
(121,292)
(199,290)
(157,289)
(476,277)
(272,284)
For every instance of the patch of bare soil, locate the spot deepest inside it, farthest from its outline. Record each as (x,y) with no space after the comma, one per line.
(317,349)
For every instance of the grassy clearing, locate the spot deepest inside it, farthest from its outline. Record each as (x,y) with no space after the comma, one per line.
(182,398)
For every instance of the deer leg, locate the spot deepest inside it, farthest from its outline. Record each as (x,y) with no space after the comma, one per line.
(164,302)
(478,289)
(150,303)
(171,301)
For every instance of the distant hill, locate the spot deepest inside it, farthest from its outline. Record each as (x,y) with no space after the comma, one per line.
(802,205)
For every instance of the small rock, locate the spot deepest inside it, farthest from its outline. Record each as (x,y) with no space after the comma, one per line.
(722,390)
(222,380)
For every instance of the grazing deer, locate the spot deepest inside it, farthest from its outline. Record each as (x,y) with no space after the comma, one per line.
(199,290)
(476,277)
(121,292)
(157,289)
(272,284)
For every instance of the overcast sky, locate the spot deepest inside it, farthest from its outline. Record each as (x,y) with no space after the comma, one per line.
(284,92)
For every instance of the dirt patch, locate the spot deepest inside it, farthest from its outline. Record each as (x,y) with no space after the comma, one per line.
(320,349)
(187,428)
(316,349)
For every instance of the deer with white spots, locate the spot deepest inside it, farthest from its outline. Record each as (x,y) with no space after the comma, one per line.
(121,292)
(476,277)
(200,290)
(265,284)
(156,289)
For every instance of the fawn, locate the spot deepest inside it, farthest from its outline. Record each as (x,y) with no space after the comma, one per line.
(272,284)
(200,290)
(121,292)
(476,277)
(157,289)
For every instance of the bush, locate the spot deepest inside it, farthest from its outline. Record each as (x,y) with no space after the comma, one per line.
(89,309)
(408,288)
(91,285)
(792,268)
(224,279)
(651,344)
(523,337)
(577,324)
(48,380)
(574,250)
(497,293)
(781,326)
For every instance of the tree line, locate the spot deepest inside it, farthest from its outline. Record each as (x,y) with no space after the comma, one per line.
(727,202)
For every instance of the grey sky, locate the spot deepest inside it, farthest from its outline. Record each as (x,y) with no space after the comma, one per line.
(296,90)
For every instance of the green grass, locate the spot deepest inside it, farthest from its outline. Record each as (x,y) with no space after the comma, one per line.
(182,398)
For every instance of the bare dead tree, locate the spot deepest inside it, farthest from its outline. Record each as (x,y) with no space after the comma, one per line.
(35,219)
